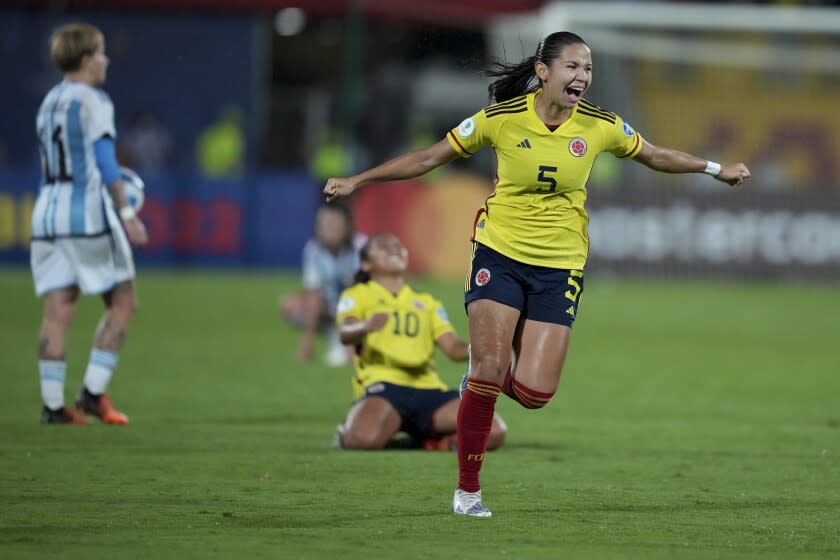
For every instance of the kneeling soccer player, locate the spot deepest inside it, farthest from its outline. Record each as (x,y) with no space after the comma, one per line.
(395,330)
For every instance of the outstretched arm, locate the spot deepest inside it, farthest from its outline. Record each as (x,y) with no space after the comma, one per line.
(406,166)
(456,349)
(668,160)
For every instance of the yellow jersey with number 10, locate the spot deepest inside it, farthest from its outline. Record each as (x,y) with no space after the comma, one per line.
(402,352)
(536,214)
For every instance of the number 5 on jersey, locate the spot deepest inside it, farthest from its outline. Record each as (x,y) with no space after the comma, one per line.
(543,178)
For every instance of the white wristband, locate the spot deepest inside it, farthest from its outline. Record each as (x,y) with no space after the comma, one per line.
(127,213)
(712,169)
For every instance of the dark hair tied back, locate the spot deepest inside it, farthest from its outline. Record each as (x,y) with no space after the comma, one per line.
(363,276)
(518,79)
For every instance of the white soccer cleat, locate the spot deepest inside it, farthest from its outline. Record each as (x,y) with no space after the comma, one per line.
(462,388)
(469,503)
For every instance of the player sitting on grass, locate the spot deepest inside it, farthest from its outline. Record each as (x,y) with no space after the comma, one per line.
(394,330)
(330,259)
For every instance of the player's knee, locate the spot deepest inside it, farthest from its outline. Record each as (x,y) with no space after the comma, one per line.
(488,369)
(496,439)
(121,299)
(355,439)
(291,307)
(57,322)
(124,307)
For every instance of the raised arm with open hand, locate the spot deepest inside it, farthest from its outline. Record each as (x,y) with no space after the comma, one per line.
(406,166)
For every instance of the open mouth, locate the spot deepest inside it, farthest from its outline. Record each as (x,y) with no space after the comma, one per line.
(573,91)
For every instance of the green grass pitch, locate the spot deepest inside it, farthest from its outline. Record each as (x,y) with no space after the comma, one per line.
(693,420)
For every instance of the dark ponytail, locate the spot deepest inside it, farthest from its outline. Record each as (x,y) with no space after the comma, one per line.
(363,276)
(518,79)
(513,79)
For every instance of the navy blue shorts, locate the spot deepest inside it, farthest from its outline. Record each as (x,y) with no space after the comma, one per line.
(550,295)
(415,406)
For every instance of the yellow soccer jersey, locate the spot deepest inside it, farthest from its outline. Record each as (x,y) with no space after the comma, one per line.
(402,351)
(536,214)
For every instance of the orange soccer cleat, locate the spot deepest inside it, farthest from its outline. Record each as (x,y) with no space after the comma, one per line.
(101,407)
(62,416)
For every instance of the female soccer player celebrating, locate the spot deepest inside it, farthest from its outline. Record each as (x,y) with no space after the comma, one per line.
(530,240)
(395,330)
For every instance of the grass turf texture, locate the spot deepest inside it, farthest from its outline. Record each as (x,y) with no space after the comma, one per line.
(693,421)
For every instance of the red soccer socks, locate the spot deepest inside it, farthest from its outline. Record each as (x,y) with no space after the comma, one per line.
(475,419)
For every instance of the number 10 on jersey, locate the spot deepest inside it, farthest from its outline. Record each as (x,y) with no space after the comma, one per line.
(409,324)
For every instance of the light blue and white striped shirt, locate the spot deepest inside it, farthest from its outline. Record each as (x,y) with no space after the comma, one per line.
(71,200)
(328,272)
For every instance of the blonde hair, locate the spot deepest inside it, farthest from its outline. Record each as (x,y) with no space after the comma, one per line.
(70,43)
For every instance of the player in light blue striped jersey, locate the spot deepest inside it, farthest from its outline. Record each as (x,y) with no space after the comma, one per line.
(330,259)
(81,236)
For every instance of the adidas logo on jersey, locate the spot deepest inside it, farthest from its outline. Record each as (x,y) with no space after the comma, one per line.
(524,144)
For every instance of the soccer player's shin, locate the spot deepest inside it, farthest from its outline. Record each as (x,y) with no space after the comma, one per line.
(475,419)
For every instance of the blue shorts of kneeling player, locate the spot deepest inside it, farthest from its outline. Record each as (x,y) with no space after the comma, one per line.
(416,407)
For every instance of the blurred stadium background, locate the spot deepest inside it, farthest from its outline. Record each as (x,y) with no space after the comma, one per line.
(696,418)
(236,111)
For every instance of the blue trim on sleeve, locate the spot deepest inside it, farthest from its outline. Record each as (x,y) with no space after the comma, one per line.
(106,159)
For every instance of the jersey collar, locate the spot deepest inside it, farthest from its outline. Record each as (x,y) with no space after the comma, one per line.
(385,290)
(532,109)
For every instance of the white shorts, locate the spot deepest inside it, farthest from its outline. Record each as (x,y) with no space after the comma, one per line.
(94,264)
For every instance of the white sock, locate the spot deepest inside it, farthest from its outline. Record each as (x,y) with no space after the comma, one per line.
(336,352)
(52,375)
(99,370)
(333,339)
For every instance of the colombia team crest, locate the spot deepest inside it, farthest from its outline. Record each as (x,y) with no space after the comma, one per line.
(482,277)
(577,146)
